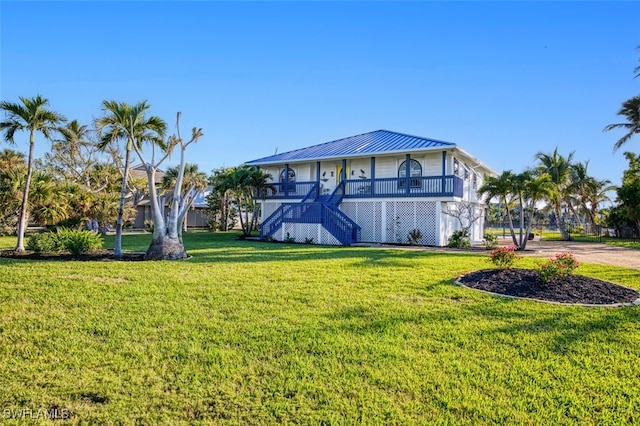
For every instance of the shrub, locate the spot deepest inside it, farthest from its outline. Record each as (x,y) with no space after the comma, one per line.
(414,237)
(43,243)
(308,240)
(459,239)
(75,241)
(504,257)
(490,241)
(560,265)
(289,239)
(78,241)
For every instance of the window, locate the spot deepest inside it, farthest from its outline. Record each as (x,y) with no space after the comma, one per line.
(291,179)
(292,175)
(456,167)
(415,170)
(475,181)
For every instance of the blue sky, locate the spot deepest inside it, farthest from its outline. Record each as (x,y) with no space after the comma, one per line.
(503,80)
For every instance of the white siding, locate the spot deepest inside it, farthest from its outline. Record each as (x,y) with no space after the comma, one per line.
(432,164)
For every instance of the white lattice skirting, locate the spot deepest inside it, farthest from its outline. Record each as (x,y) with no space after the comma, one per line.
(392,221)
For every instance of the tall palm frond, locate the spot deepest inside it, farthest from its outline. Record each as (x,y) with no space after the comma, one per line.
(631,111)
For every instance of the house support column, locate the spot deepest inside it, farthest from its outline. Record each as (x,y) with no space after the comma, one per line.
(444,171)
(343,172)
(407,166)
(373,175)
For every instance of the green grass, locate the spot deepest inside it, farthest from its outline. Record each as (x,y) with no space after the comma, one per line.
(257,333)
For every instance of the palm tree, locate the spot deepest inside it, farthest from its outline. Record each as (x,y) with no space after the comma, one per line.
(502,188)
(239,183)
(127,122)
(631,111)
(32,116)
(580,181)
(220,202)
(260,183)
(10,159)
(67,151)
(536,187)
(559,170)
(48,202)
(588,192)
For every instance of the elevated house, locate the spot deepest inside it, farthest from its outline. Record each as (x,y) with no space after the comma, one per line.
(375,187)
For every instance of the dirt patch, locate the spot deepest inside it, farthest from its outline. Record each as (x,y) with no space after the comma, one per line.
(570,289)
(97,255)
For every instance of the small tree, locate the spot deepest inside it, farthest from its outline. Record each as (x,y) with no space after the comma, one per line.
(221,203)
(249,183)
(467,214)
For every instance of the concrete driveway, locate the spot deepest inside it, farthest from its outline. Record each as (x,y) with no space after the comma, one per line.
(584,252)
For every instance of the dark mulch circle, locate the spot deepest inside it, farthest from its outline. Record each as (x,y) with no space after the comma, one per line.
(570,289)
(97,255)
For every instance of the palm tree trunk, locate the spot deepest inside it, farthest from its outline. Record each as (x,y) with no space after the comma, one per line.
(242,226)
(521,245)
(511,229)
(22,221)
(117,249)
(256,215)
(560,221)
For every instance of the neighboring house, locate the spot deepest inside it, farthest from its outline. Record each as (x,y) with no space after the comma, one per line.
(197,217)
(375,187)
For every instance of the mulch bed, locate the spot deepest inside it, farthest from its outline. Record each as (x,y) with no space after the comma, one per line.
(97,255)
(570,289)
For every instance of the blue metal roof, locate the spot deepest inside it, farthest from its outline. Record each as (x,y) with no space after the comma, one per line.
(377,142)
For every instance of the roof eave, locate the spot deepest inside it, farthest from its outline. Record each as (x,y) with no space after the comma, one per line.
(477,162)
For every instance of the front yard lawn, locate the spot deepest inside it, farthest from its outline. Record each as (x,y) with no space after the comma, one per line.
(257,333)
